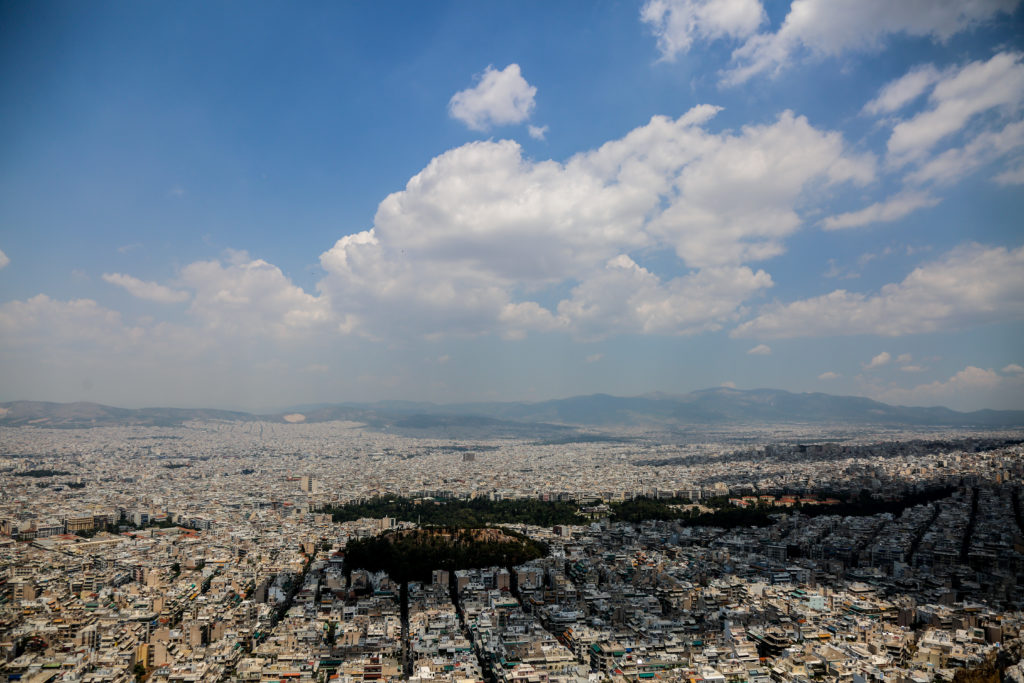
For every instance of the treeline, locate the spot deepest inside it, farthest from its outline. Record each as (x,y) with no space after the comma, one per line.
(477,512)
(868,505)
(125,525)
(727,516)
(643,509)
(41,473)
(413,556)
(481,512)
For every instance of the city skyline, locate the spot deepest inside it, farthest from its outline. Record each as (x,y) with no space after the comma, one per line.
(205,207)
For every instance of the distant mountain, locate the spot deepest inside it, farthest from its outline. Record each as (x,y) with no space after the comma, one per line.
(555,419)
(735,406)
(83,414)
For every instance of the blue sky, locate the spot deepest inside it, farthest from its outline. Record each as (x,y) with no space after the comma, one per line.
(252,205)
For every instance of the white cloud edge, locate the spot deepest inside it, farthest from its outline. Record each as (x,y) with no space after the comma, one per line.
(142,289)
(970,285)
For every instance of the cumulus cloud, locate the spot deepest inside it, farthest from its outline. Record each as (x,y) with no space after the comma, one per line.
(236,298)
(498,98)
(4,260)
(974,106)
(1013,369)
(878,361)
(829,375)
(480,236)
(984,148)
(760,350)
(970,387)
(627,297)
(677,23)
(956,98)
(252,297)
(891,209)
(898,93)
(829,28)
(537,132)
(150,291)
(739,202)
(971,285)
(486,241)
(50,347)
(43,321)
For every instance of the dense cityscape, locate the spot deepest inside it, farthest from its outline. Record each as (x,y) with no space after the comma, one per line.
(211,552)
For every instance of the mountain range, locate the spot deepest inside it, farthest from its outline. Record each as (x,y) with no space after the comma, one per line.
(544,419)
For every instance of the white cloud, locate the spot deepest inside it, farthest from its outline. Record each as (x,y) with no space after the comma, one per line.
(150,291)
(829,375)
(905,89)
(878,361)
(739,202)
(537,132)
(971,285)
(42,321)
(1011,176)
(4,260)
(499,98)
(252,297)
(967,389)
(729,385)
(476,239)
(486,241)
(913,368)
(677,23)
(829,28)
(760,350)
(891,209)
(51,347)
(594,357)
(957,97)
(1013,369)
(904,358)
(984,148)
(627,297)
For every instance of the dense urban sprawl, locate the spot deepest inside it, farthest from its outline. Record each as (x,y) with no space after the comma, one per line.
(202,553)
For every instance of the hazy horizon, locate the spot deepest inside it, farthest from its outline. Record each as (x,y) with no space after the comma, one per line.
(385,402)
(330,203)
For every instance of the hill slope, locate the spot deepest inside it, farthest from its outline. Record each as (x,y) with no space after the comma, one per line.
(544,419)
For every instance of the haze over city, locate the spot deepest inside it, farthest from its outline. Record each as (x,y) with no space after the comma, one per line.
(255,206)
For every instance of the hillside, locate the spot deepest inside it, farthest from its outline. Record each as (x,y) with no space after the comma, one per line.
(558,420)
